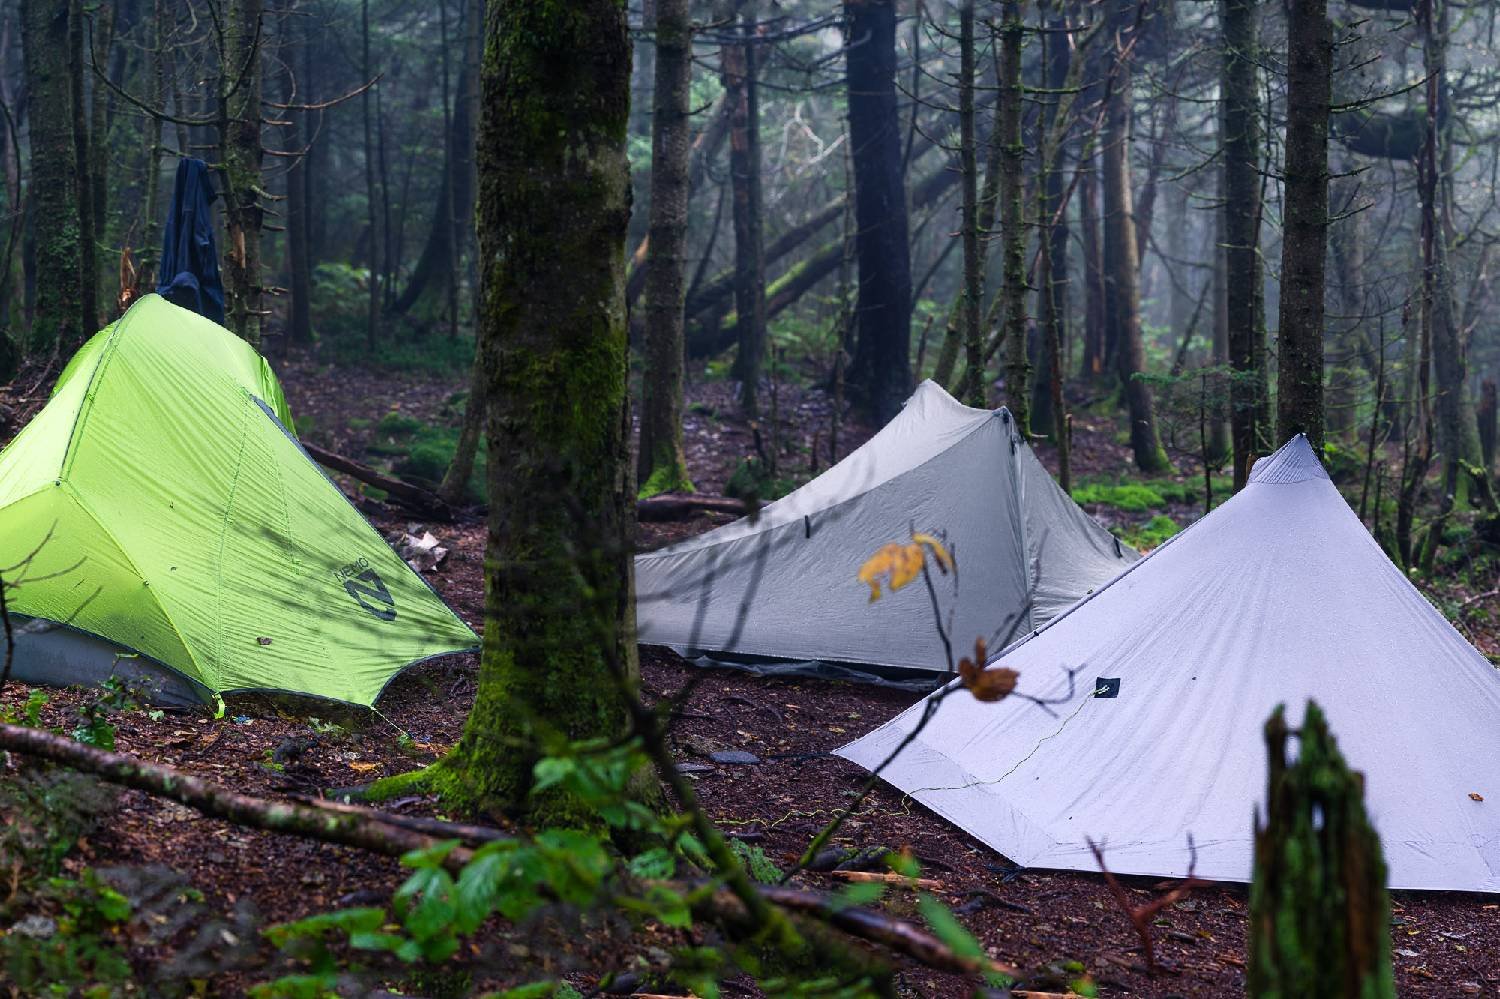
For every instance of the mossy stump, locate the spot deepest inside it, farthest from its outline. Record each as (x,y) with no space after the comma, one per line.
(1319,912)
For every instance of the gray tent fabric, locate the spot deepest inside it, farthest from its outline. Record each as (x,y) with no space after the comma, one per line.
(785,583)
(52,654)
(1278,596)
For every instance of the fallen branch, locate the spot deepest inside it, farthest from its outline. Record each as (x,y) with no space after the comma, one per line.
(888,878)
(680,506)
(866,924)
(365,831)
(418,499)
(392,835)
(436,828)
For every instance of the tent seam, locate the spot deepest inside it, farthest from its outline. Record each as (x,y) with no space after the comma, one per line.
(86,406)
(234,485)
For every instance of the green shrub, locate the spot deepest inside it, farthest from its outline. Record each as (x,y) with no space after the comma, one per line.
(398,424)
(1152,533)
(1136,497)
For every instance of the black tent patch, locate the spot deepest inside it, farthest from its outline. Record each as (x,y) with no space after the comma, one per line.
(1107,686)
(369,590)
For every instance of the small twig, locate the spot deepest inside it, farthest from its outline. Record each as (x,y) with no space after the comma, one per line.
(1141,916)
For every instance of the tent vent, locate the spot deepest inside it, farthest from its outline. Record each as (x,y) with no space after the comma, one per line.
(1107,686)
(807,525)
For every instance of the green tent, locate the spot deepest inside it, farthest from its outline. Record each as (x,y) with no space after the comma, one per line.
(159,516)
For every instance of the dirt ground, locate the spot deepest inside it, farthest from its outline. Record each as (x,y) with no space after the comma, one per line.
(1445,944)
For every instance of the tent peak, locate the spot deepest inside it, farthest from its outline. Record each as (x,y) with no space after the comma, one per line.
(1295,461)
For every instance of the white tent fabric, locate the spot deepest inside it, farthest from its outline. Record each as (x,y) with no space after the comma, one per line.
(1278,596)
(785,584)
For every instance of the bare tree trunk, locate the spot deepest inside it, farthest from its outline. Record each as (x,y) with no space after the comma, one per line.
(88,257)
(299,265)
(737,70)
(53,197)
(102,37)
(1122,266)
(1048,415)
(880,373)
(375,251)
(1304,243)
(973,391)
(1013,222)
(662,464)
(1240,137)
(240,128)
(155,73)
(1093,269)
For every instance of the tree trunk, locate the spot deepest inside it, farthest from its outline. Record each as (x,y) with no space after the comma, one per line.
(374,245)
(554,200)
(1121,265)
(973,392)
(240,129)
(879,375)
(88,252)
(1047,407)
(299,264)
(738,72)
(155,72)
(1457,437)
(1319,912)
(1093,269)
(1219,448)
(1304,243)
(1489,422)
(1239,132)
(1346,245)
(1013,222)
(663,466)
(53,197)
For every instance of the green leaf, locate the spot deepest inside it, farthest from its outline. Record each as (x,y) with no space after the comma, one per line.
(430,856)
(951,932)
(654,864)
(859,893)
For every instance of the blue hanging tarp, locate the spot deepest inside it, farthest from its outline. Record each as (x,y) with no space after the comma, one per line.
(189,258)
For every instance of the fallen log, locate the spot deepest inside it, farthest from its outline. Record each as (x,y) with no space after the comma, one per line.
(414,497)
(310,821)
(680,506)
(888,878)
(369,829)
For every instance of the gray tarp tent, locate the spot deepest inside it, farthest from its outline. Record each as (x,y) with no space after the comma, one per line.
(1278,596)
(784,584)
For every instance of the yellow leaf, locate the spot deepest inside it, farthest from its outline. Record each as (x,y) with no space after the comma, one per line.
(363,767)
(939,550)
(878,565)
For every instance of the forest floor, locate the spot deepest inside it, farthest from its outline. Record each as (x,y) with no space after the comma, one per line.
(152,850)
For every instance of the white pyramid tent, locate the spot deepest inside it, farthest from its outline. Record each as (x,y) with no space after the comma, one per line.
(1279,595)
(785,586)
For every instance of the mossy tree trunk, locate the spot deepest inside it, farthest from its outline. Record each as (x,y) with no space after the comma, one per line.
(53,193)
(1304,243)
(240,138)
(663,466)
(1048,410)
(1121,260)
(1319,912)
(1239,137)
(554,200)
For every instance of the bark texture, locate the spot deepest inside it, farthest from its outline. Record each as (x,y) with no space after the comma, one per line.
(663,466)
(1239,131)
(1304,244)
(554,200)
(1012,221)
(58,316)
(879,376)
(1122,263)
(240,128)
(737,71)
